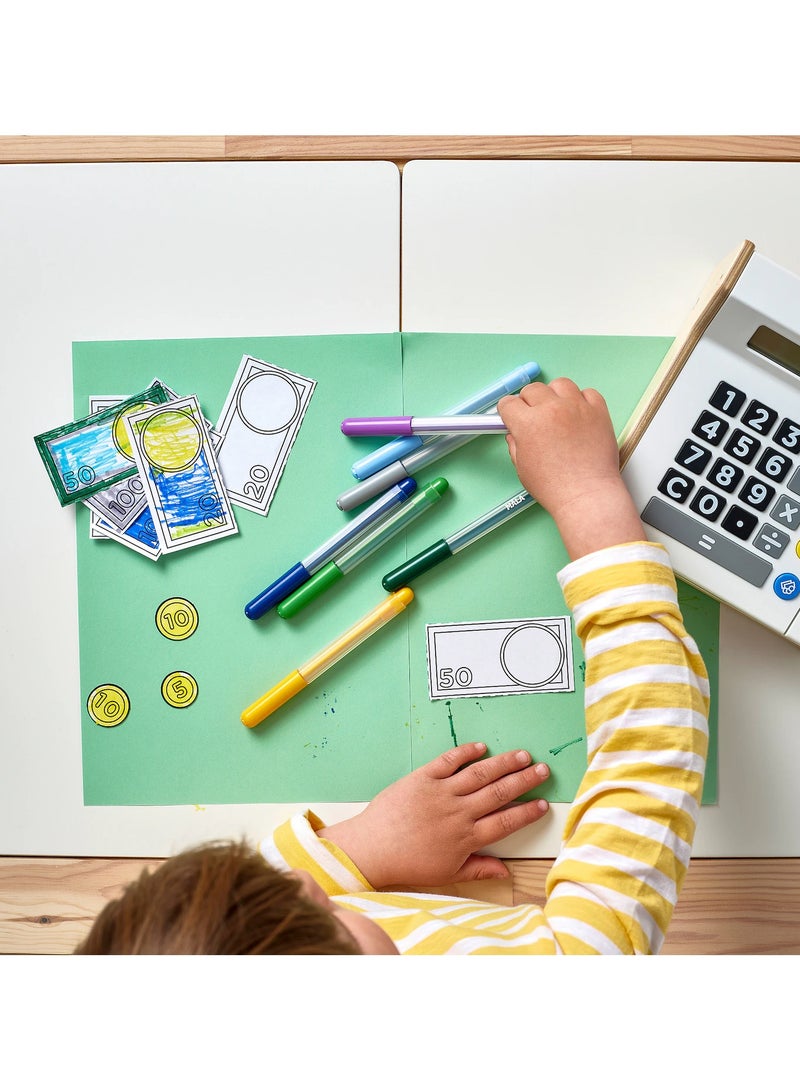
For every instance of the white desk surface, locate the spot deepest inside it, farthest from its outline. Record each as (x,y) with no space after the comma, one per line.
(582,247)
(114,251)
(117,251)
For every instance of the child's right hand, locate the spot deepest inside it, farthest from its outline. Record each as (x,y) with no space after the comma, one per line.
(562,443)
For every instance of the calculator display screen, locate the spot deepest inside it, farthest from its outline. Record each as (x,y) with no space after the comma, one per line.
(776,347)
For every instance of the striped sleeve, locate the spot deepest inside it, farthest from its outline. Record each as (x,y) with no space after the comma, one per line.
(295,844)
(628,835)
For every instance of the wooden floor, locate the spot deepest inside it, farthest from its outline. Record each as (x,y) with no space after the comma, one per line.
(727,907)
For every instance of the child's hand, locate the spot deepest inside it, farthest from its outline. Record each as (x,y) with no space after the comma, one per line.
(427,828)
(562,443)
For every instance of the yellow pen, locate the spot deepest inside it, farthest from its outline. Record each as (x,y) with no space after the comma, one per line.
(298,680)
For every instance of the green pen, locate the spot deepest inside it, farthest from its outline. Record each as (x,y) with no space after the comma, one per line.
(422,500)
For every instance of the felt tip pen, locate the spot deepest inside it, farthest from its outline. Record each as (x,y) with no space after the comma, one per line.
(300,572)
(423,426)
(406,467)
(293,683)
(476,403)
(448,547)
(423,500)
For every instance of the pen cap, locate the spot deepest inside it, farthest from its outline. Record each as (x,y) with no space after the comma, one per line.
(273,699)
(377,426)
(407,572)
(373,485)
(276,592)
(307,592)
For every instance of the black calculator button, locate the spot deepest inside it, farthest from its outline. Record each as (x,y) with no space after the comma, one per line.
(756,493)
(710,428)
(725,475)
(708,504)
(740,523)
(786,512)
(759,417)
(727,399)
(693,457)
(742,446)
(675,485)
(774,464)
(788,435)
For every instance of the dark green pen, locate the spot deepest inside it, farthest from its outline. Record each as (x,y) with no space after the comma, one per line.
(448,547)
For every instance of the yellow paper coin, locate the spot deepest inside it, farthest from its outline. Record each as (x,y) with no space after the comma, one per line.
(171,440)
(179,689)
(108,705)
(119,433)
(176,618)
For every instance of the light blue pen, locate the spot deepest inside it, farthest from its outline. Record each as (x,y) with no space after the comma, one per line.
(398,449)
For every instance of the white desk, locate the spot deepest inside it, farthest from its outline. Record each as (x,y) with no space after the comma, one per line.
(622,248)
(117,251)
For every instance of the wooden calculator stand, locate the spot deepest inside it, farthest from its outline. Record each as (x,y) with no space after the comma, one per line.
(712,453)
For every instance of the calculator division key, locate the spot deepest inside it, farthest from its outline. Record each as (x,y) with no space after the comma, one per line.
(710,427)
(759,417)
(742,446)
(707,542)
(787,509)
(728,399)
(756,494)
(675,485)
(708,504)
(771,540)
(774,464)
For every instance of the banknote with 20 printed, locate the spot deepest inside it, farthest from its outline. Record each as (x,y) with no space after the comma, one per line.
(259,423)
(488,658)
(180,475)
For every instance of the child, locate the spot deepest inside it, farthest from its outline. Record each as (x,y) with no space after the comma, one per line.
(628,834)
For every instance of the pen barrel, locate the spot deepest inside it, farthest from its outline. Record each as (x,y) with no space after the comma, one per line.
(307,592)
(354,636)
(405,573)
(291,685)
(276,592)
(486,523)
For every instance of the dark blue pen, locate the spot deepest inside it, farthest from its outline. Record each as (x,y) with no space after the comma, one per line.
(303,570)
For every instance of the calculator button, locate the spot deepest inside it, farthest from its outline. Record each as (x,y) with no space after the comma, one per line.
(786,586)
(693,457)
(788,511)
(725,475)
(759,417)
(740,523)
(742,446)
(770,540)
(788,435)
(727,554)
(756,493)
(708,504)
(774,465)
(727,399)
(710,428)
(793,484)
(675,485)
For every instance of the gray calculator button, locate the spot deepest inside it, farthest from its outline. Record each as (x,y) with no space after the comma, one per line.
(707,541)
(787,509)
(793,484)
(771,540)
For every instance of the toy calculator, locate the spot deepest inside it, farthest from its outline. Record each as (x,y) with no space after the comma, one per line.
(712,453)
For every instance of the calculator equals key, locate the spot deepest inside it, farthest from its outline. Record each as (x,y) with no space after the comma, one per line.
(712,453)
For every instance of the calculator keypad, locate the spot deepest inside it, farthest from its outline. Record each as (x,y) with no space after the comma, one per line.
(732,492)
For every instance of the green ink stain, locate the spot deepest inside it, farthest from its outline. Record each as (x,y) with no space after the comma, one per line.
(582,669)
(450,721)
(557,749)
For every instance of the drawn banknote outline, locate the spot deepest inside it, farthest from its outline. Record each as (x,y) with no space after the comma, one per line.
(259,424)
(484,659)
(181,478)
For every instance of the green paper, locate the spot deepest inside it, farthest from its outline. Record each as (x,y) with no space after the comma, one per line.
(369,719)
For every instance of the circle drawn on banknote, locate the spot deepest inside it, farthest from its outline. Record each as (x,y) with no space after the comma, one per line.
(171,440)
(179,689)
(119,433)
(108,705)
(177,618)
(268,403)
(532,655)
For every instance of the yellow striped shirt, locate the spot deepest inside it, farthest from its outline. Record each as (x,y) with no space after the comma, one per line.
(628,835)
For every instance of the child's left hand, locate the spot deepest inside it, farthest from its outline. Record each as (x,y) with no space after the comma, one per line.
(427,828)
